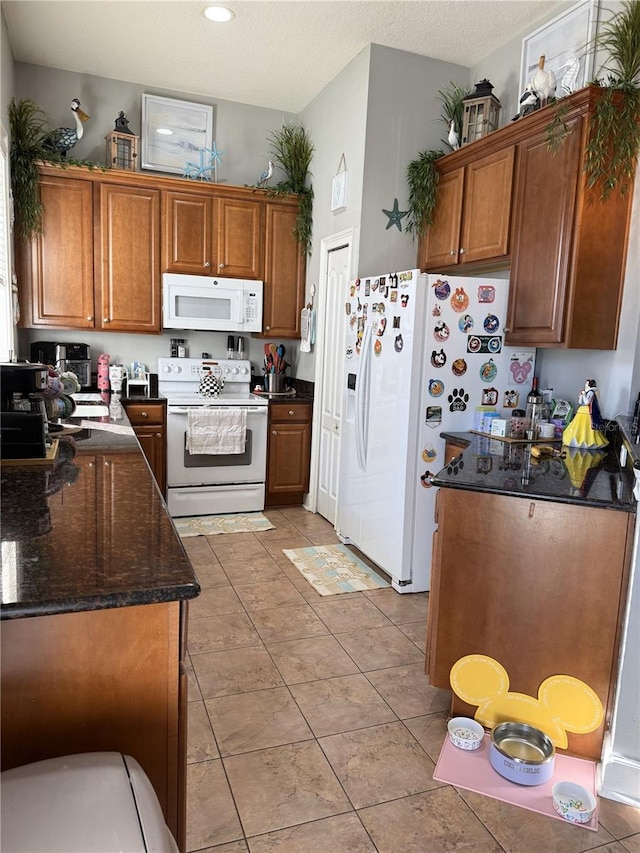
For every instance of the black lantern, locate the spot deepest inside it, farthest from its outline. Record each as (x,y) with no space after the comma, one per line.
(122,145)
(481,113)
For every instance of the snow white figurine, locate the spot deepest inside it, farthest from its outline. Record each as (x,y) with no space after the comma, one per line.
(586,430)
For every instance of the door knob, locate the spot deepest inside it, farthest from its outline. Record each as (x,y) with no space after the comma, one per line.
(220,266)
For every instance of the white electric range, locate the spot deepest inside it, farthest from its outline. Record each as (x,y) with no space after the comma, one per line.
(211,484)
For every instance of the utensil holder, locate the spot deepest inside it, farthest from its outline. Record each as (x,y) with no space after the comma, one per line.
(275,383)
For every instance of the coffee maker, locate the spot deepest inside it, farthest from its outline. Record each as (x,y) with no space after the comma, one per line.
(23,416)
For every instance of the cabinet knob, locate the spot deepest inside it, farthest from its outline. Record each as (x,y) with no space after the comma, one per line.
(90,318)
(206,264)
(462,251)
(267,328)
(274,432)
(106,320)
(291,413)
(506,331)
(220,266)
(452,252)
(144,415)
(158,435)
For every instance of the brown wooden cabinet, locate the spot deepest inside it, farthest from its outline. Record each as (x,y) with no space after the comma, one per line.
(149,421)
(288,452)
(284,273)
(538,586)
(204,235)
(472,217)
(127,258)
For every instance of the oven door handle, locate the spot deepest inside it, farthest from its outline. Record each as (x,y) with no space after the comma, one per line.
(182,410)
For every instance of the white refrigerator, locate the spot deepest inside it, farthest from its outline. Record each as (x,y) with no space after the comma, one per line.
(423,354)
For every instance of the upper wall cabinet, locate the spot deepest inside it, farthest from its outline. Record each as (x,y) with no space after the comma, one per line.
(108,236)
(565,243)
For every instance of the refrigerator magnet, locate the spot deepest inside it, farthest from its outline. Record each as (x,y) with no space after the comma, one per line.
(429,453)
(398,343)
(375,284)
(393,296)
(347,308)
(520,365)
(357,284)
(404,300)
(486,293)
(396,321)
(495,343)
(465,323)
(459,367)
(441,288)
(382,325)
(436,387)
(484,464)
(491,323)
(349,352)
(510,399)
(490,397)
(352,290)
(441,332)
(434,416)
(437,311)
(406,277)
(460,300)
(488,371)
(367,286)
(438,358)
(377,348)
(458,400)
(425,480)
(393,280)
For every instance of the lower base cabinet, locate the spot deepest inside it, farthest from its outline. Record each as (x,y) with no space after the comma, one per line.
(149,422)
(100,680)
(288,452)
(539,586)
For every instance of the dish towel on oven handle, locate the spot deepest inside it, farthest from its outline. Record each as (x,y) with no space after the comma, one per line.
(216,431)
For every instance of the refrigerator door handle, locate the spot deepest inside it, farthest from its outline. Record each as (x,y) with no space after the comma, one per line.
(362,400)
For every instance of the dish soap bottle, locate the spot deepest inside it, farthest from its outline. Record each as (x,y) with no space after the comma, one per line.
(535,403)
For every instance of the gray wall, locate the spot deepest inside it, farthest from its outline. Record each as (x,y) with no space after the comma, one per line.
(6,70)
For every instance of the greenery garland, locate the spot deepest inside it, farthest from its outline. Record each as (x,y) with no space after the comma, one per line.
(422,178)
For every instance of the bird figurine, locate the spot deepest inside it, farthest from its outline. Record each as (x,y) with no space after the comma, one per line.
(265,177)
(454,137)
(529,102)
(63,139)
(543,83)
(570,76)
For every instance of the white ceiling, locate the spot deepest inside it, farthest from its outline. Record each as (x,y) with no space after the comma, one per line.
(276,53)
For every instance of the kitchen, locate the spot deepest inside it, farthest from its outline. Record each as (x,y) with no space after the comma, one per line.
(614,369)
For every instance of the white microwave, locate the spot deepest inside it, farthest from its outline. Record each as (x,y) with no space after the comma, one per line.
(211,304)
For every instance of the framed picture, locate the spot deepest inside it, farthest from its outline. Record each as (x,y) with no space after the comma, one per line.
(566,42)
(173,133)
(340,186)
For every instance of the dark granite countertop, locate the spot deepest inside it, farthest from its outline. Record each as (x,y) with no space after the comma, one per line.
(588,478)
(91,532)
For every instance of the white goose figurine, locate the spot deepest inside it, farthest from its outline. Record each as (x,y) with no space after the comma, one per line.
(454,137)
(63,139)
(543,83)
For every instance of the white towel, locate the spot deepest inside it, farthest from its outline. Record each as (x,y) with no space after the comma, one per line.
(216,431)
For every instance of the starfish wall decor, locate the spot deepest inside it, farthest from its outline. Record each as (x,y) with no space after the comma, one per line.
(209,159)
(395,216)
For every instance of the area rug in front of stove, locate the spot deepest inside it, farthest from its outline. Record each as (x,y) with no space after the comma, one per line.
(209,525)
(334,569)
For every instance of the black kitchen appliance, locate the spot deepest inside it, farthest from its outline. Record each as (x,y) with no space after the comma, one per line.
(65,357)
(23,417)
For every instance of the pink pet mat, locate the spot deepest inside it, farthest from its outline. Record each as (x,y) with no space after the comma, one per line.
(471,770)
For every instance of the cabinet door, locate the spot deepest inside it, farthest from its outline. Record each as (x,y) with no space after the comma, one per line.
(188,233)
(289,457)
(487,207)
(544,208)
(239,244)
(284,274)
(441,244)
(153,443)
(128,258)
(57,267)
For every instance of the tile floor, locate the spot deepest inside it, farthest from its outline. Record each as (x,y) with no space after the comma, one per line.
(312,728)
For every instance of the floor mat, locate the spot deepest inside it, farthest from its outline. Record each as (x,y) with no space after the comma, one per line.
(209,525)
(334,569)
(471,770)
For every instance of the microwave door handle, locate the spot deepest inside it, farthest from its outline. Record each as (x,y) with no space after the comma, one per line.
(240,319)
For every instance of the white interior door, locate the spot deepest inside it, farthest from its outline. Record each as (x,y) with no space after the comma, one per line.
(335,289)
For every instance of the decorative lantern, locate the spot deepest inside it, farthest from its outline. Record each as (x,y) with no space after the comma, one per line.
(481,113)
(122,145)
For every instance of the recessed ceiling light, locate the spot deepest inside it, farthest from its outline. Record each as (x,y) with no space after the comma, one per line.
(219,14)
(164,131)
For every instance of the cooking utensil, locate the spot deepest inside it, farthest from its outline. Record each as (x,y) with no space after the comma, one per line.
(280,358)
(522,753)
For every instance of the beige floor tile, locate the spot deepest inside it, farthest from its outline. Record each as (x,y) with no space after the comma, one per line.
(522,831)
(229,631)
(408,692)
(287,623)
(235,671)
(232,847)
(211,575)
(201,744)
(311,659)
(283,530)
(433,822)
(379,763)
(211,815)
(276,546)
(430,732)
(410,607)
(257,720)
(620,820)
(342,704)
(322,537)
(341,834)
(377,648)
(236,546)
(416,632)
(614,847)
(284,786)
(198,548)
(215,602)
(268,594)
(632,843)
(253,570)
(353,614)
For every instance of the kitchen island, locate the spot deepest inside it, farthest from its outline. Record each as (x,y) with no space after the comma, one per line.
(530,568)
(95,586)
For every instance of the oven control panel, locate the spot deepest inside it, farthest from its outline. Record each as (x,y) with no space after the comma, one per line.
(188,369)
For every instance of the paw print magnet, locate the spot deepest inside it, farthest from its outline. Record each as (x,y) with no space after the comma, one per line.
(458,400)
